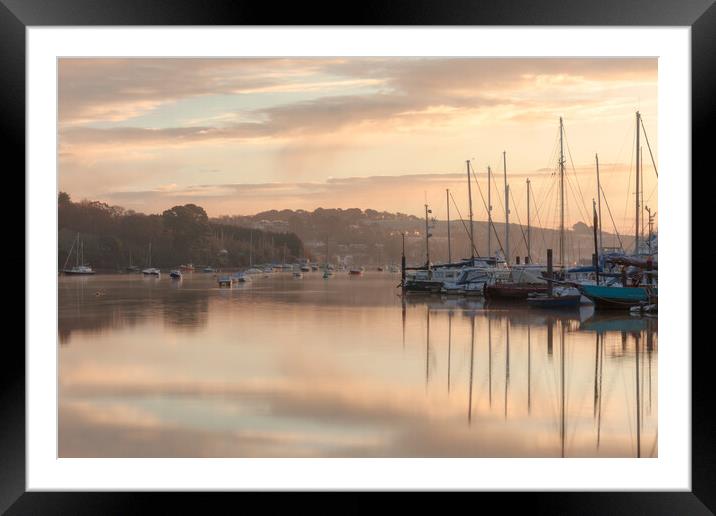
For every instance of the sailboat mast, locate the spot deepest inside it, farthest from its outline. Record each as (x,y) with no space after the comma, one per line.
(77,257)
(427,238)
(529,239)
(489,211)
(469,200)
(599,202)
(561,192)
(507,209)
(447,201)
(641,191)
(251,249)
(638,163)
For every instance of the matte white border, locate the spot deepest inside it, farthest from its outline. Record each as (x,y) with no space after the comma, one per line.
(672,469)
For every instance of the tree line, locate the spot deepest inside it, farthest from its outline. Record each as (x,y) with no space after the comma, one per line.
(114,238)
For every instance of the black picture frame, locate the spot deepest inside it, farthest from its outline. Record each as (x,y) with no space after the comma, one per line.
(17,15)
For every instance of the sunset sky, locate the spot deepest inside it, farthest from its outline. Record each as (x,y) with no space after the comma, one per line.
(239,136)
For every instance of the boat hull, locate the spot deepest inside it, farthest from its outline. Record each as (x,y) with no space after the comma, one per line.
(78,273)
(618,298)
(513,291)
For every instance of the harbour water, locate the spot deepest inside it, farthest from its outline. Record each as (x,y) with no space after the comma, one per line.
(343,367)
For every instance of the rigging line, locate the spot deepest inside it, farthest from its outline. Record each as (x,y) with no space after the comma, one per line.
(649,146)
(472,244)
(484,204)
(499,197)
(544,243)
(514,203)
(651,194)
(616,231)
(631,163)
(544,200)
(574,171)
(581,214)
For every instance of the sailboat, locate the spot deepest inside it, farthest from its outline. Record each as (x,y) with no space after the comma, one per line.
(80,268)
(643,290)
(150,271)
(522,282)
(131,267)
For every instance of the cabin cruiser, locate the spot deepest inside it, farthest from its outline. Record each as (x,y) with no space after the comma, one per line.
(151,271)
(469,281)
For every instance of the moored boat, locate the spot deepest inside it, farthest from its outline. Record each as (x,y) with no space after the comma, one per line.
(241,277)
(619,297)
(175,274)
(80,268)
(150,271)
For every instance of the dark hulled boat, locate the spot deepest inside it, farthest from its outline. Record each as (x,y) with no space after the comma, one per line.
(508,291)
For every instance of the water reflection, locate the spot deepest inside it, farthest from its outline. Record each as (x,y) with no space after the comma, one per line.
(345,368)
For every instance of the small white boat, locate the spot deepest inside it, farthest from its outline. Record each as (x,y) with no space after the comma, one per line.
(80,268)
(175,275)
(150,271)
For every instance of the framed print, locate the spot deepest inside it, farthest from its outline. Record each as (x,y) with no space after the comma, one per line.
(412,250)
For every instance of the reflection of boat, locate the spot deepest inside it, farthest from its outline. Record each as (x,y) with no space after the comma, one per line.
(603,324)
(327,274)
(80,268)
(297,274)
(175,274)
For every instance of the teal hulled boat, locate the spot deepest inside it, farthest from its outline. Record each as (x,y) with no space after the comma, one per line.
(621,298)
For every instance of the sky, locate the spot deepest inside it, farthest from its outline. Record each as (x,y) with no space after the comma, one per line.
(240,136)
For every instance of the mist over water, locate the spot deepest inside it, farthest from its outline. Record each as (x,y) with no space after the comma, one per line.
(343,367)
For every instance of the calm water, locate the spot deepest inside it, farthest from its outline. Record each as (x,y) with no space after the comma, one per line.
(343,367)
